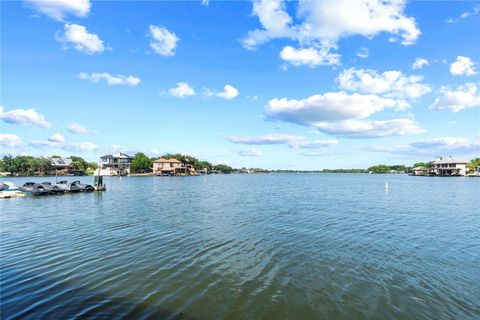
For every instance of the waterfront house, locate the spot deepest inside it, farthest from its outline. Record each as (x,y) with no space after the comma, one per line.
(419,171)
(60,164)
(166,167)
(449,166)
(63,166)
(115,164)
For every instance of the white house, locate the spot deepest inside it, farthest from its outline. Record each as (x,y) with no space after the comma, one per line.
(449,166)
(115,164)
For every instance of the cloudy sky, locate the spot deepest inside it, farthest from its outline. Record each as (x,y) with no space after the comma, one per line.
(272,84)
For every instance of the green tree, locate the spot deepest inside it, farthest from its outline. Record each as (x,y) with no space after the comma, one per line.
(223,168)
(474,165)
(92,165)
(381,168)
(78,163)
(141,163)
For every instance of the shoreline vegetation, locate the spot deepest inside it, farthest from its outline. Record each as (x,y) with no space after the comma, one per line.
(141,165)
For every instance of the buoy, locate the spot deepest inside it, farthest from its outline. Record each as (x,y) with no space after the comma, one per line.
(386,185)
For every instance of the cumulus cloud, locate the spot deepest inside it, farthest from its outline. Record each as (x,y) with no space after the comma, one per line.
(463,66)
(57,137)
(111,80)
(456,99)
(435,146)
(342,114)
(370,129)
(163,42)
(10,140)
(78,129)
(331,106)
(419,63)
(80,38)
(249,152)
(293,141)
(311,57)
(182,89)
(24,117)
(59,9)
(323,23)
(389,83)
(229,92)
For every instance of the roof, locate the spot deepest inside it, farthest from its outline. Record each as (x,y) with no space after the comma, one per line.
(420,168)
(450,160)
(117,155)
(57,161)
(162,160)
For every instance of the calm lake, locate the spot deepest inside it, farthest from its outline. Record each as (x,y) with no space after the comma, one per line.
(276,246)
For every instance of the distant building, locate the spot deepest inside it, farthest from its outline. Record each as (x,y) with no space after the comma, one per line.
(171,167)
(166,167)
(419,171)
(449,167)
(60,164)
(115,164)
(63,166)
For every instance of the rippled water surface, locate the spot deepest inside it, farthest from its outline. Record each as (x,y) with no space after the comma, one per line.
(278,246)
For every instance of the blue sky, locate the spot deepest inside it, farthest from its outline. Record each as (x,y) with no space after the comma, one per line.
(293,85)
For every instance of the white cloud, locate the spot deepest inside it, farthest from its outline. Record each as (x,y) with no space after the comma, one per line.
(57,137)
(463,66)
(419,63)
(323,23)
(24,117)
(456,99)
(389,83)
(81,39)
(182,89)
(205,3)
(435,146)
(331,106)
(465,14)
(362,53)
(58,9)
(292,141)
(370,129)
(311,57)
(163,41)
(229,92)
(75,147)
(10,140)
(249,152)
(342,114)
(111,80)
(81,146)
(45,144)
(78,128)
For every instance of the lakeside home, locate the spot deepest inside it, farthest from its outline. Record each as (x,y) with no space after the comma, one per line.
(449,167)
(419,171)
(115,164)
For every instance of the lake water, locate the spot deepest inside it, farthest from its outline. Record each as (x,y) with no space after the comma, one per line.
(277,246)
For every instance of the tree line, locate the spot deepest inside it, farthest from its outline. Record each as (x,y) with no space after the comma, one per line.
(28,165)
(141,163)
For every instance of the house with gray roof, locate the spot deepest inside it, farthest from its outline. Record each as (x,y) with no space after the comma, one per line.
(449,166)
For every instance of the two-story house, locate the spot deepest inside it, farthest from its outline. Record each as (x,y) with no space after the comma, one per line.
(166,167)
(115,164)
(449,167)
